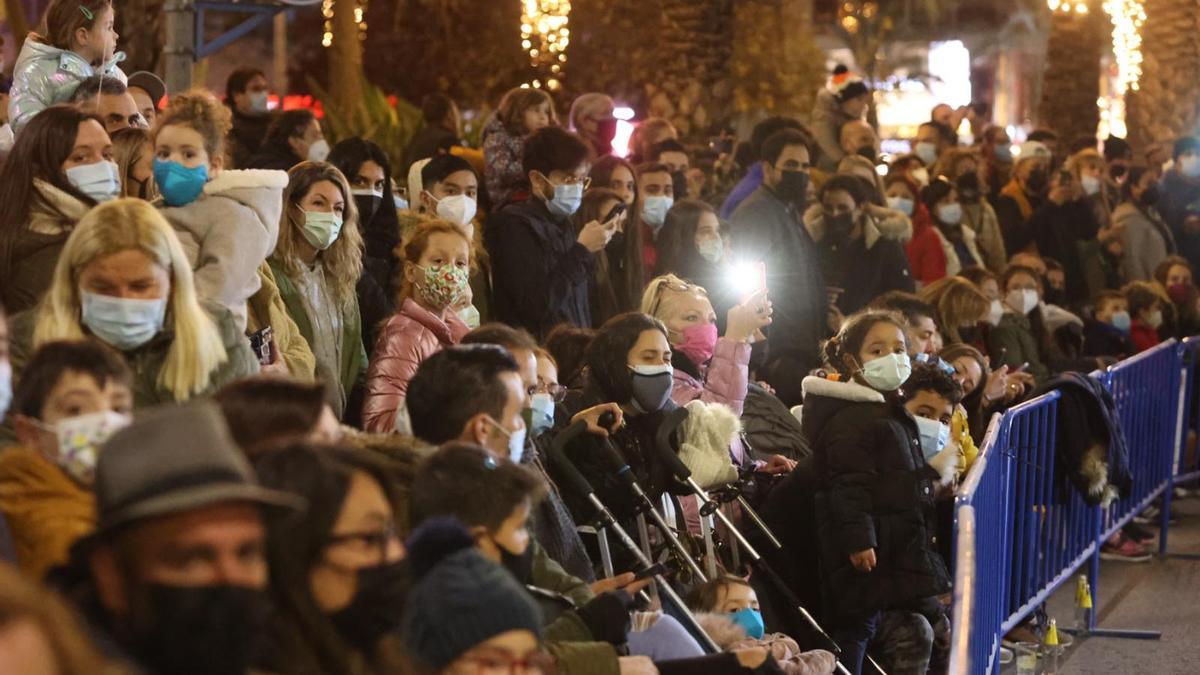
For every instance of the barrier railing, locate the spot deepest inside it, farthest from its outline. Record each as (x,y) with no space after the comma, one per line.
(1022,528)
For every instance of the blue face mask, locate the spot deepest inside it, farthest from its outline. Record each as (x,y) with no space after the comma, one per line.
(566,201)
(1003,153)
(927,152)
(950,214)
(934,436)
(124,323)
(541,413)
(751,621)
(178,184)
(1121,321)
(654,210)
(902,205)
(100,181)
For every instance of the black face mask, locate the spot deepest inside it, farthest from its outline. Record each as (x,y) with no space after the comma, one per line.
(376,607)
(606,130)
(196,630)
(367,205)
(840,226)
(617,242)
(868,151)
(1150,196)
(680,183)
(1055,296)
(1116,171)
(793,187)
(968,187)
(1037,182)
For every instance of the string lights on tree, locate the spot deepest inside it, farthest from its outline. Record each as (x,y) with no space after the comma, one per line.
(360,18)
(545,36)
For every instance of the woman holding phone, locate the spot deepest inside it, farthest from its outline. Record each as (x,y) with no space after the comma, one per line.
(612,291)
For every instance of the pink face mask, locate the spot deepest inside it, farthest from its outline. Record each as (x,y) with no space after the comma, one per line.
(699,342)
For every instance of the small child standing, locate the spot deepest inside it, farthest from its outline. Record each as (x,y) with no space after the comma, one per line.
(727,608)
(1107,334)
(78,42)
(1146,308)
(521,112)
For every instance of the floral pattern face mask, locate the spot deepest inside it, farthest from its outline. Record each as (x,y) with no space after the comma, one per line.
(443,285)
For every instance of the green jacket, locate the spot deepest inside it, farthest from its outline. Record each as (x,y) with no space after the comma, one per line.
(354,356)
(568,638)
(1013,344)
(147,361)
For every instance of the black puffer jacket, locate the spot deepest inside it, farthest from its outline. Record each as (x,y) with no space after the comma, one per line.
(876,492)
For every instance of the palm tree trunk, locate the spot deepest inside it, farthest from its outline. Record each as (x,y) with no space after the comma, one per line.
(1071,83)
(1164,106)
(346,60)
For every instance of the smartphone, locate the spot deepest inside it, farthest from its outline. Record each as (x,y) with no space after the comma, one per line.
(1022,368)
(759,279)
(260,342)
(614,212)
(651,571)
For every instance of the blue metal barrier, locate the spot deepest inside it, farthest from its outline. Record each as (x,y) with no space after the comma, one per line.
(1022,529)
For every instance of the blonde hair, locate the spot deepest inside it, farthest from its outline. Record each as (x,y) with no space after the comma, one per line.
(129,147)
(664,292)
(956,302)
(132,224)
(1088,157)
(199,109)
(343,259)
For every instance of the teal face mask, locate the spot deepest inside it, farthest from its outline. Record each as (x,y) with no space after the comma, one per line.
(178,184)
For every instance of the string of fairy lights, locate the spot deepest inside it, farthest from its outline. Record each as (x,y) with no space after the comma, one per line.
(360,14)
(544,37)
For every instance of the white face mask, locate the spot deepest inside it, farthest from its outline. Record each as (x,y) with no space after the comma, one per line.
(79,439)
(516,440)
(124,323)
(542,406)
(902,205)
(1190,166)
(934,436)
(921,175)
(887,372)
(317,152)
(101,180)
(654,210)
(1155,319)
(1023,301)
(995,313)
(1091,184)
(458,209)
(258,101)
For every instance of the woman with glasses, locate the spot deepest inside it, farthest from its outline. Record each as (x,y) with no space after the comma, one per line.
(337,585)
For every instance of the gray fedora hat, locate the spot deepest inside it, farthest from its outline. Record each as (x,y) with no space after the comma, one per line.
(173,459)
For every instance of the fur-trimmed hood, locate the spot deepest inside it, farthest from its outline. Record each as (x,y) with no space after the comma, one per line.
(892,224)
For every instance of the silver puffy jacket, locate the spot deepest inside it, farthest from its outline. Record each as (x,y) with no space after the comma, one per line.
(45,75)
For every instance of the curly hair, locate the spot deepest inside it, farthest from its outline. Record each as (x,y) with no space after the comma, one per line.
(511,112)
(931,377)
(852,335)
(198,109)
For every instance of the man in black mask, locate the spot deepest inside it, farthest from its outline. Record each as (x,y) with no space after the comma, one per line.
(175,573)
(979,215)
(1023,195)
(766,229)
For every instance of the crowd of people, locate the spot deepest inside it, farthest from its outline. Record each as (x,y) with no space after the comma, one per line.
(272,405)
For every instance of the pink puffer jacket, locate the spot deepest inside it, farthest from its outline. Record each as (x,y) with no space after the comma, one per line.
(412,335)
(726,378)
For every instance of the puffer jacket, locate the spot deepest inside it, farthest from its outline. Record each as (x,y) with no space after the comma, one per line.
(869,266)
(408,338)
(45,509)
(45,75)
(36,247)
(876,492)
(723,380)
(228,232)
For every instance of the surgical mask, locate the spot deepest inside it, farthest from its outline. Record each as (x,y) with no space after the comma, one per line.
(258,101)
(1091,184)
(80,437)
(321,229)
(458,209)
(711,249)
(6,391)
(399,202)
(566,200)
(1024,301)
(101,180)
(887,372)
(902,205)
(1121,321)
(124,323)
(934,436)
(1003,153)
(651,387)
(699,342)
(368,202)
(751,621)
(920,175)
(793,186)
(178,184)
(950,214)
(542,413)
(995,313)
(196,630)
(317,152)
(516,440)
(444,285)
(470,316)
(654,210)
(376,608)
(927,152)
(1155,319)
(1190,166)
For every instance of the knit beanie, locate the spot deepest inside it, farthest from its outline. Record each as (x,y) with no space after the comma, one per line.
(460,598)
(845,85)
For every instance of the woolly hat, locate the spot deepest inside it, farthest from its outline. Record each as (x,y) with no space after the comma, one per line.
(1033,150)
(460,598)
(846,85)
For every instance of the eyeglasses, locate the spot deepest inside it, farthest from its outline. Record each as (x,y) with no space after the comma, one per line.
(494,661)
(557,391)
(585,181)
(367,540)
(684,287)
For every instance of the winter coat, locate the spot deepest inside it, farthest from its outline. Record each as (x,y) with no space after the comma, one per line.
(541,273)
(45,509)
(1090,447)
(1102,339)
(744,188)
(228,232)
(552,526)
(1144,336)
(354,357)
(411,336)
(273,158)
(45,75)
(876,493)
(869,266)
(567,635)
(1179,196)
(148,360)
(955,261)
(723,380)
(981,219)
(927,254)
(266,308)
(770,428)
(1013,208)
(1145,239)
(729,636)
(1056,231)
(1012,343)
(767,229)
(826,125)
(246,136)
(37,244)
(502,155)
